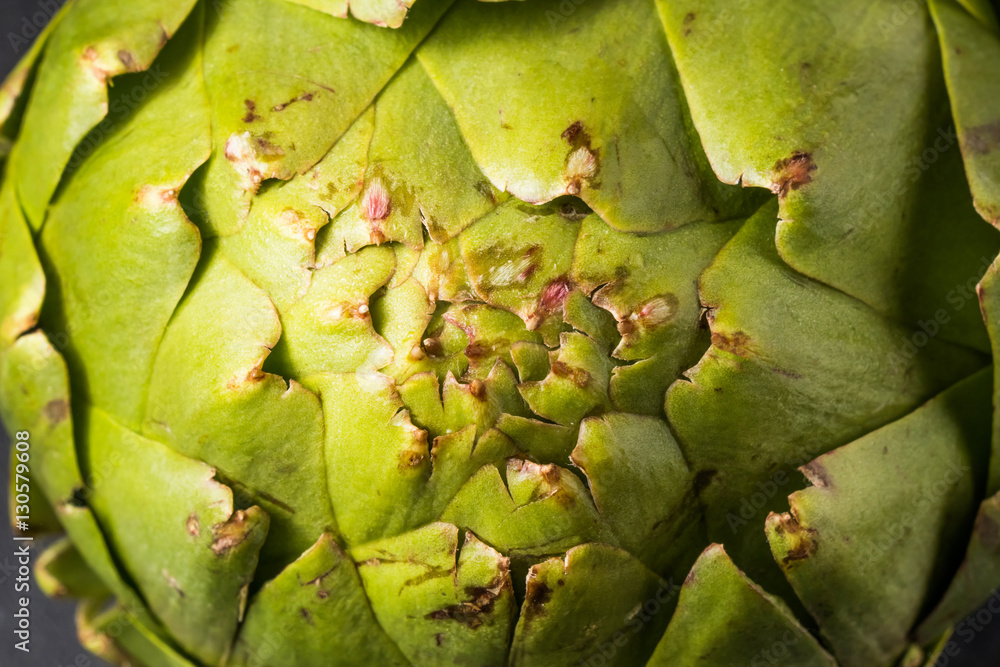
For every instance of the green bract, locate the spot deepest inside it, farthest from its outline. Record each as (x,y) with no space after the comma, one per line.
(592,332)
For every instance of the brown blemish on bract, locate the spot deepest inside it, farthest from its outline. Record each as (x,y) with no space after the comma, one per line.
(304,97)
(816,473)
(791,173)
(626,327)
(476,351)
(801,541)
(56,410)
(652,314)
(412,460)
(416,454)
(550,473)
(334,311)
(252,376)
(688,20)
(267,150)
(173,583)
(537,595)
(251,108)
(192,525)
(982,139)
(90,58)
(577,376)
(470,613)
(156,196)
(582,162)
(581,167)
(736,343)
(575,135)
(245,153)
(128,60)
(785,373)
(229,535)
(318,580)
(294,224)
(486,190)
(431,574)
(306,615)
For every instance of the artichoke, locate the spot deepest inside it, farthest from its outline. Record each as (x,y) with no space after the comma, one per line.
(588,332)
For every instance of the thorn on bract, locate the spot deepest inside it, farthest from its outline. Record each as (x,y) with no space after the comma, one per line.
(580,167)
(156,196)
(433,346)
(376,204)
(293,225)
(551,300)
(478,389)
(792,173)
(252,157)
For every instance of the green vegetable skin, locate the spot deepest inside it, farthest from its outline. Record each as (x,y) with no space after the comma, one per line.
(455,340)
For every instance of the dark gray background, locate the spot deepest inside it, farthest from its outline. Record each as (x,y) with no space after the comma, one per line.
(54,642)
